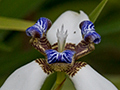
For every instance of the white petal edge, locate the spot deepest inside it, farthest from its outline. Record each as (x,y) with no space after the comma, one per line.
(28,77)
(88,79)
(71,21)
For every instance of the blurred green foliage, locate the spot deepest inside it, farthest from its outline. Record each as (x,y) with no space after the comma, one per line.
(16,51)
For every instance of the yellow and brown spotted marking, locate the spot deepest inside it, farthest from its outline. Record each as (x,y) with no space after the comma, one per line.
(76,67)
(61,67)
(41,44)
(83,48)
(55,46)
(70,46)
(46,68)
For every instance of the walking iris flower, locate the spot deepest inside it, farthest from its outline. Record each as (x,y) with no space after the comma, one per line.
(71,37)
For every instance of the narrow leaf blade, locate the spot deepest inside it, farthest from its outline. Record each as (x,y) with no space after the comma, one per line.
(96,12)
(14,24)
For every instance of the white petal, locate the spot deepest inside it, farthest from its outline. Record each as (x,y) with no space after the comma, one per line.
(71,21)
(88,79)
(28,77)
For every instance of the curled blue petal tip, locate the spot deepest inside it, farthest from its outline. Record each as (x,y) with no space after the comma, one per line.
(40,27)
(44,24)
(93,37)
(62,57)
(34,31)
(89,33)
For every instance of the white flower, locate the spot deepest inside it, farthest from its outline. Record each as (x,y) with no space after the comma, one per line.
(28,77)
(71,37)
(88,79)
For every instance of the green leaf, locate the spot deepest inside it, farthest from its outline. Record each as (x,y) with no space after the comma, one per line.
(68,85)
(96,12)
(49,82)
(19,8)
(14,24)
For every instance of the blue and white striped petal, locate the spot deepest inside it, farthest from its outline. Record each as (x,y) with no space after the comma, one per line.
(28,77)
(44,24)
(67,56)
(89,33)
(54,57)
(34,31)
(88,79)
(39,28)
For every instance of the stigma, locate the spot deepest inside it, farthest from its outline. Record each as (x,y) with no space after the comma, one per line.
(61,37)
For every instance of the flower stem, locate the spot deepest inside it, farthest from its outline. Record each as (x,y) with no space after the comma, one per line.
(59,81)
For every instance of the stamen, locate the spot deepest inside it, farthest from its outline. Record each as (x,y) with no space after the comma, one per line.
(61,36)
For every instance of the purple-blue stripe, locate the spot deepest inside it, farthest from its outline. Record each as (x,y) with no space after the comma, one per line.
(54,57)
